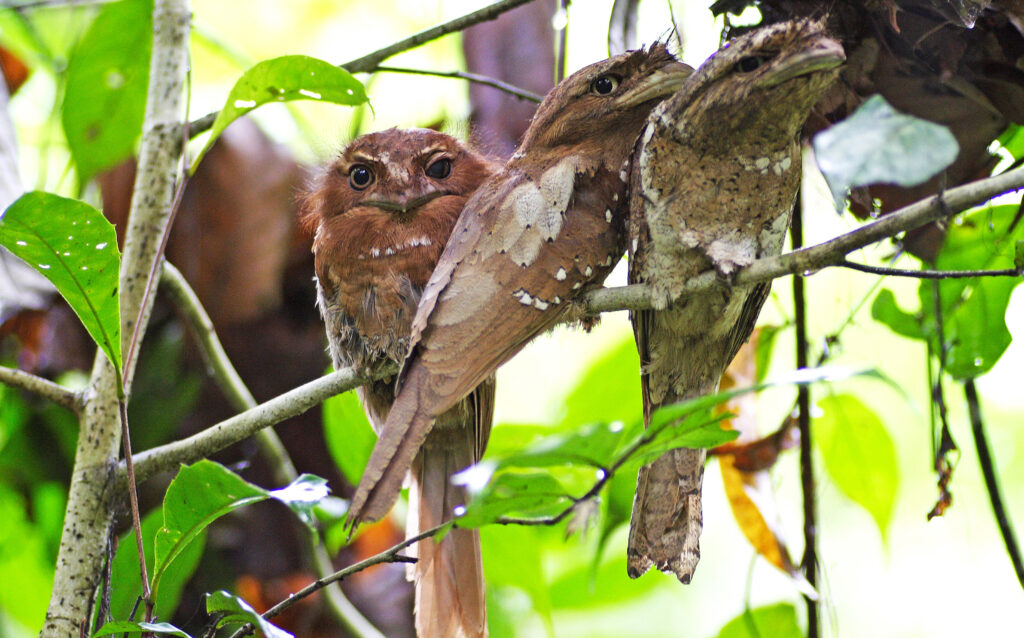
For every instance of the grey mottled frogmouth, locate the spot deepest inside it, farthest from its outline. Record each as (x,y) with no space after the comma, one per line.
(713,185)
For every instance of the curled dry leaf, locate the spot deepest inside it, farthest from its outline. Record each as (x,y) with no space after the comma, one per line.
(745,462)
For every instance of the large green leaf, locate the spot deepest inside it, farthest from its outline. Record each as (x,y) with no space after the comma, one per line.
(973,309)
(237,612)
(878,144)
(125,571)
(777,621)
(107,77)
(75,247)
(198,495)
(516,494)
(283,79)
(350,439)
(609,391)
(203,492)
(859,455)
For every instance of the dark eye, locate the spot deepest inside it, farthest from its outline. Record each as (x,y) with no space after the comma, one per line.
(360,176)
(751,62)
(440,169)
(605,84)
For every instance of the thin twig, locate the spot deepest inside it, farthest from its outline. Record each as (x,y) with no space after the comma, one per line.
(942,464)
(929,274)
(824,255)
(42,387)
(476,78)
(234,388)
(368,63)
(133,499)
(810,558)
(991,482)
(387,556)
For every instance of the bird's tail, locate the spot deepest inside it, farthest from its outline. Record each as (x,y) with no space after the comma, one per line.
(665,526)
(449,577)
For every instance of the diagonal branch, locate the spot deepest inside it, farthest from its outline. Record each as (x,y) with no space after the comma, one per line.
(42,387)
(244,425)
(475,78)
(829,253)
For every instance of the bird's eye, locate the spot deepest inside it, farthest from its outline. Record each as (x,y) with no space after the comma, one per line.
(440,169)
(605,84)
(360,176)
(751,62)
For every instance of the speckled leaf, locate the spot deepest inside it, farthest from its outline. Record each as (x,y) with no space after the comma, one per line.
(75,247)
(107,77)
(283,79)
(878,144)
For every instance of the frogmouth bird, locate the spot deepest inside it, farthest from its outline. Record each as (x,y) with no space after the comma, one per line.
(548,227)
(713,185)
(382,212)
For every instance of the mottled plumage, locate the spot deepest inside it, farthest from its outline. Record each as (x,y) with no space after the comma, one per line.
(713,185)
(549,226)
(383,211)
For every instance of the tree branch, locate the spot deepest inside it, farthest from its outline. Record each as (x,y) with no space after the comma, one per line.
(829,253)
(244,425)
(369,63)
(42,387)
(90,510)
(234,388)
(928,274)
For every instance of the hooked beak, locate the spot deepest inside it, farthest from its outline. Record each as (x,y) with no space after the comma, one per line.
(824,55)
(660,84)
(404,205)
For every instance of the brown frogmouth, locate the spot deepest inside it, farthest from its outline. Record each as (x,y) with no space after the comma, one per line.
(713,185)
(382,212)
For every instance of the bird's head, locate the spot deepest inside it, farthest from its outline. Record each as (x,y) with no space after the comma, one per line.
(602,107)
(765,81)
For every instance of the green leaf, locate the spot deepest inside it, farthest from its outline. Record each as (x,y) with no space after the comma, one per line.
(350,439)
(75,247)
(777,621)
(765,345)
(130,627)
(885,310)
(859,456)
(238,612)
(283,79)
(1012,140)
(107,77)
(515,494)
(975,309)
(125,571)
(302,495)
(878,144)
(198,495)
(592,445)
(609,391)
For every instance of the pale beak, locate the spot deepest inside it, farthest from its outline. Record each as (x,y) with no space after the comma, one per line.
(824,55)
(660,84)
